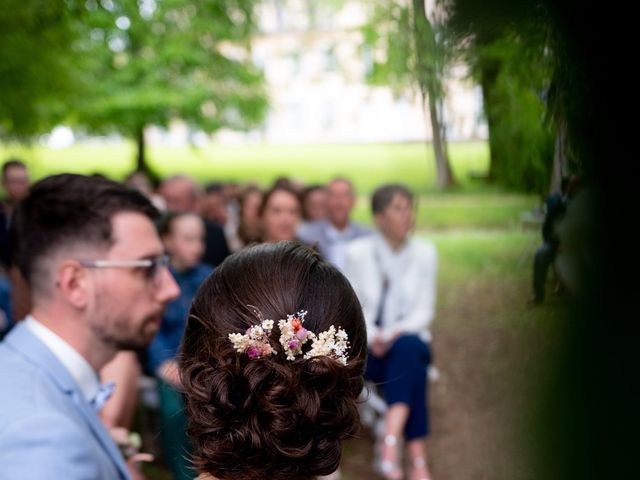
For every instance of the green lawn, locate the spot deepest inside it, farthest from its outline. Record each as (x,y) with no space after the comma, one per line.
(367,164)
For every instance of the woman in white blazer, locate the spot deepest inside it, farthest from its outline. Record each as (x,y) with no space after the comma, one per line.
(394,276)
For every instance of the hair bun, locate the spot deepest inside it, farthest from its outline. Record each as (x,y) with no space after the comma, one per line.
(256,419)
(269,417)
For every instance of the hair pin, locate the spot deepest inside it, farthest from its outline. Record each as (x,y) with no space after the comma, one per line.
(333,343)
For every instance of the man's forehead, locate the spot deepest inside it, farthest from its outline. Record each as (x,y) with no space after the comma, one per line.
(340,186)
(134,234)
(179,186)
(16,171)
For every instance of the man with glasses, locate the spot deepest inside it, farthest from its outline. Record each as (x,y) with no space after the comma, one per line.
(97,273)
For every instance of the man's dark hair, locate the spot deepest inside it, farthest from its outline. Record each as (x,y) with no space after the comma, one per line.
(69,209)
(312,188)
(383,196)
(269,193)
(12,162)
(216,187)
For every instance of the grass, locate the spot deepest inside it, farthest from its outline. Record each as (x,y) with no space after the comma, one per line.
(483,254)
(367,164)
(445,211)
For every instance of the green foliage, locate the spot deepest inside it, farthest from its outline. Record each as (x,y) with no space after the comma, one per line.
(150,62)
(35,73)
(508,47)
(387,37)
(404,57)
(118,65)
(521,137)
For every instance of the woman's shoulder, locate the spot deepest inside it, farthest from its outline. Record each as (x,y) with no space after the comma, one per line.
(423,248)
(360,246)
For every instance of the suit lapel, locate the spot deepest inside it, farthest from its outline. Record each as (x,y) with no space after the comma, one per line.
(30,347)
(100,432)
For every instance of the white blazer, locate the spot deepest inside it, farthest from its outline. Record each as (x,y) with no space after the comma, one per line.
(410,302)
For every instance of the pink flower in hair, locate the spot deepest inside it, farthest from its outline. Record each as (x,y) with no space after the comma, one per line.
(302,333)
(253,352)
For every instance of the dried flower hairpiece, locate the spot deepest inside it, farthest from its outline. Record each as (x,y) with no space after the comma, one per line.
(255,342)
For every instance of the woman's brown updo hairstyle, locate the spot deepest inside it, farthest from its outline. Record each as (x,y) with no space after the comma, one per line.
(270,418)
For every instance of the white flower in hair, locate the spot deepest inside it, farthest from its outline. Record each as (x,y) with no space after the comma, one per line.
(330,343)
(255,342)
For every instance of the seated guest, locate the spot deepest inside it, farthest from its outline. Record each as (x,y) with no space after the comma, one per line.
(314,203)
(214,207)
(394,276)
(272,365)
(249,215)
(15,183)
(183,237)
(182,194)
(331,236)
(280,214)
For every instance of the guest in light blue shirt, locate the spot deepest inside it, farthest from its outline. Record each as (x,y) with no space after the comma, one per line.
(331,236)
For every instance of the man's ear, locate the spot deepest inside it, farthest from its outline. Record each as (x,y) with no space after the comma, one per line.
(74,283)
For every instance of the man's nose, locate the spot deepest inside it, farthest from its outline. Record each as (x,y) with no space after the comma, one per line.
(169,289)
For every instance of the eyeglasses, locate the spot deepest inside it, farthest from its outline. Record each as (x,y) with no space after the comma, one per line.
(153,266)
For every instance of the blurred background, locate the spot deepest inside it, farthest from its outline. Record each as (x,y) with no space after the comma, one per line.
(481,109)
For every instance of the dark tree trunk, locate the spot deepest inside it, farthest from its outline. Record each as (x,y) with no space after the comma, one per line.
(559,169)
(142,164)
(444,174)
(141,158)
(488,77)
(425,41)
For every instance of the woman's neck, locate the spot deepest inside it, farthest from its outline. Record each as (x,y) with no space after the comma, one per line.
(394,243)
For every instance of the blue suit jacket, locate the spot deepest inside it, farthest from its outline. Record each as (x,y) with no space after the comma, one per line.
(47,428)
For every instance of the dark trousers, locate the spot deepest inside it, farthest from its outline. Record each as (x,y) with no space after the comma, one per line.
(543,259)
(402,375)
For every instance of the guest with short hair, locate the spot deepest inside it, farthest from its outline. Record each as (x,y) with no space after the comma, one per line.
(394,275)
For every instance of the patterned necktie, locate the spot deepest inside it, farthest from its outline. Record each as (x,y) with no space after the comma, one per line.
(104,392)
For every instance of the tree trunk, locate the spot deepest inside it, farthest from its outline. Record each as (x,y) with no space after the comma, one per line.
(142,165)
(427,75)
(559,169)
(487,80)
(141,158)
(444,175)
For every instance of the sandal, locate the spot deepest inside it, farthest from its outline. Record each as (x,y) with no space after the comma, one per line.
(389,469)
(420,464)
